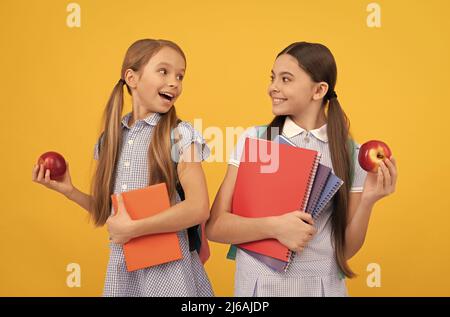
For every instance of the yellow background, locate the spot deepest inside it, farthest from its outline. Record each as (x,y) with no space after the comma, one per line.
(392,82)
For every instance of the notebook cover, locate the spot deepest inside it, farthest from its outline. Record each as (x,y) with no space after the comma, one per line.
(323,172)
(283,140)
(319,181)
(259,193)
(155,249)
(274,264)
(332,186)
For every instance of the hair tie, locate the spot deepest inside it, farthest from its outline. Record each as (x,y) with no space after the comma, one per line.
(121,81)
(332,95)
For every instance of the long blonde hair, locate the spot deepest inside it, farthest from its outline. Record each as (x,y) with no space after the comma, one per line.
(163,168)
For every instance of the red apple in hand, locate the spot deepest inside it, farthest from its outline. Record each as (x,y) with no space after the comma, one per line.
(54,162)
(372,153)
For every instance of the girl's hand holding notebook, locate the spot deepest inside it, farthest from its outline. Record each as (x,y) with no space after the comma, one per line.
(120,225)
(294,229)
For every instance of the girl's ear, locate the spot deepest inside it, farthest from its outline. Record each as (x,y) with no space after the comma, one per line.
(131,78)
(320,90)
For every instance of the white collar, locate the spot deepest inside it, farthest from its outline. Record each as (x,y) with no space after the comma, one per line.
(291,129)
(152,119)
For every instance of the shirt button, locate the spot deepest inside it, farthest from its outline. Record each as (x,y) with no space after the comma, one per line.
(126,164)
(306,139)
(130,142)
(124,186)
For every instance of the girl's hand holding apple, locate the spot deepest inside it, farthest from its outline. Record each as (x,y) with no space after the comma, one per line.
(52,162)
(376,158)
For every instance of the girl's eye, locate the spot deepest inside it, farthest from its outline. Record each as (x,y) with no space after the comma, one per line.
(271,78)
(180,77)
(285,79)
(163,71)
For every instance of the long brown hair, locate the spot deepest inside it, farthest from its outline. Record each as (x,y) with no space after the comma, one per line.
(318,61)
(163,168)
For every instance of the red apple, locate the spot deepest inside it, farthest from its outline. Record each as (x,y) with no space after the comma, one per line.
(54,162)
(372,153)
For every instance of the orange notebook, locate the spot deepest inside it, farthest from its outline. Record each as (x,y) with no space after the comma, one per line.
(155,249)
(263,191)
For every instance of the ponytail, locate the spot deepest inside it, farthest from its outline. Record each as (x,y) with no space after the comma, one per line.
(338,127)
(109,146)
(275,127)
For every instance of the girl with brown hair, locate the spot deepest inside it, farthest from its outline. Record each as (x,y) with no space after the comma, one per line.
(308,113)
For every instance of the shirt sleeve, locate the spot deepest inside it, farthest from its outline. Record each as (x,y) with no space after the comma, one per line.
(359,175)
(187,136)
(235,157)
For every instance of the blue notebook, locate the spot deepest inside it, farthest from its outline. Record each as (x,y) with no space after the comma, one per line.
(320,181)
(332,186)
(282,140)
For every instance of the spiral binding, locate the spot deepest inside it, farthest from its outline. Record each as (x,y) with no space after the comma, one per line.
(290,256)
(313,199)
(322,205)
(310,181)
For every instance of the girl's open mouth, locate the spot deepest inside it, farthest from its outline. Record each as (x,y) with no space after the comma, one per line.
(167,96)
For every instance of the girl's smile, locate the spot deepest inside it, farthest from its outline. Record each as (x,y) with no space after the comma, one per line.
(277,100)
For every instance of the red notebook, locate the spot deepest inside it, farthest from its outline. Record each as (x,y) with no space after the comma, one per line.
(273,179)
(155,249)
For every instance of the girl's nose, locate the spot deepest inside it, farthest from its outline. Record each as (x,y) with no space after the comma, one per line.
(273,88)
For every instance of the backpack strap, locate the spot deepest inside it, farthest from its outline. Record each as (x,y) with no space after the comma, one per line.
(260,130)
(194,232)
(352,145)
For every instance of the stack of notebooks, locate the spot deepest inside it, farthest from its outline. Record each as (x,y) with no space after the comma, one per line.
(295,181)
(325,185)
